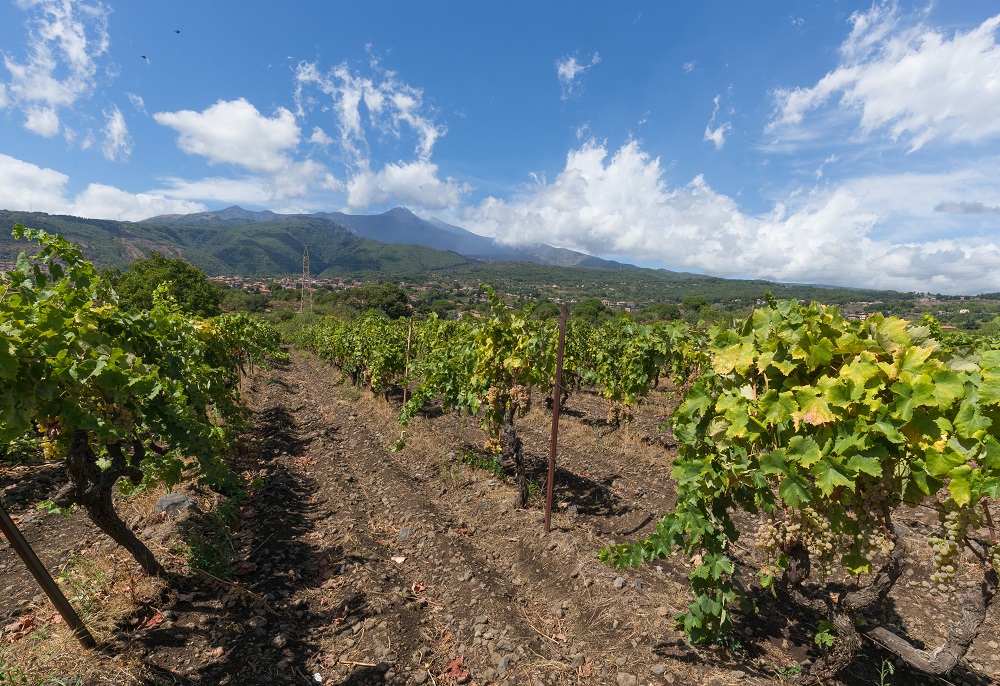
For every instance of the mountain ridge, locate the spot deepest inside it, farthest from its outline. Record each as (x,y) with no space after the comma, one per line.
(401,226)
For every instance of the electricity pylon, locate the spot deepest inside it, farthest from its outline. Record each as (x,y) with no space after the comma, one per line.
(306,301)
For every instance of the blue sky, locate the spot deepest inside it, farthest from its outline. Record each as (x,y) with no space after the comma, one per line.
(850,143)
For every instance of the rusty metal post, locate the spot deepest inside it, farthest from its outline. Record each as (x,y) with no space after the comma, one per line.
(44,579)
(556,397)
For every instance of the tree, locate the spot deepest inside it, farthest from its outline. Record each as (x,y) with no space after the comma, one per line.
(387,298)
(664,311)
(185,283)
(592,311)
(546,310)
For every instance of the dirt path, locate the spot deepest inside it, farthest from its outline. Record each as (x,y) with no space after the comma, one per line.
(360,565)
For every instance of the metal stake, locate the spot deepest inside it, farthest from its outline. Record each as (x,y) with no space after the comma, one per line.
(44,579)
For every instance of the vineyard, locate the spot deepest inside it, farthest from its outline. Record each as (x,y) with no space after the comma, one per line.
(796,498)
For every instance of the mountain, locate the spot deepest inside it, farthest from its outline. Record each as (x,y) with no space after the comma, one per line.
(234,214)
(233,242)
(399,226)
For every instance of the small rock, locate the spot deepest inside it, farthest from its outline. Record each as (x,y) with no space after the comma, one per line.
(405,533)
(626,679)
(503,664)
(279,641)
(620,582)
(173,504)
(419,676)
(662,611)
(658,669)
(572,509)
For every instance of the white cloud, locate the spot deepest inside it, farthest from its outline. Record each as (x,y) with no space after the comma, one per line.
(363,105)
(688,67)
(620,205)
(235,132)
(415,182)
(108,202)
(65,37)
(137,102)
(568,69)
(117,145)
(42,120)
(319,137)
(914,82)
(380,108)
(718,134)
(218,189)
(25,186)
(3,96)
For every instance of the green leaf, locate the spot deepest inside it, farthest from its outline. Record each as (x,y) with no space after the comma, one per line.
(804,450)
(774,462)
(865,463)
(948,386)
(991,455)
(856,564)
(830,475)
(813,408)
(777,408)
(969,421)
(794,490)
(959,486)
(737,357)
(824,634)
(939,463)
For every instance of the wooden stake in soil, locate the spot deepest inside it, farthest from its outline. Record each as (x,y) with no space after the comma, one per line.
(409,341)
(44,579)
(556,397)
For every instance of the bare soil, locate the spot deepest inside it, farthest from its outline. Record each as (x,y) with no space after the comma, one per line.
(355,564)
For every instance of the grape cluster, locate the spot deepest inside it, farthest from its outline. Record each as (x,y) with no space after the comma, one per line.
(815,533)
(520,398)
(995,556)
(805,526)
(876,494)
(494,397)
(770,538)
(619,414)
(955,522)
(49,441)
(877,543)
(492,446)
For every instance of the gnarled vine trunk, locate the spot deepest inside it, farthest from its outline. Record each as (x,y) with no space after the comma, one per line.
(511,453)
(845,609)
(93,490)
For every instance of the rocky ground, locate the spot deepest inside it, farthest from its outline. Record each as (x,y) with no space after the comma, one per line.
(355,564)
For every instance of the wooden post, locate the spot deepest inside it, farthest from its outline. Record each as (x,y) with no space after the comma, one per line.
(409,342)
(556,398)
(44,579)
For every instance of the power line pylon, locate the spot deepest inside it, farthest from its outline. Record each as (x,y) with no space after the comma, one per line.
(306,301)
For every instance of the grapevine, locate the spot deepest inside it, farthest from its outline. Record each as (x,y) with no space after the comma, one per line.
(827,426)
(117,394)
